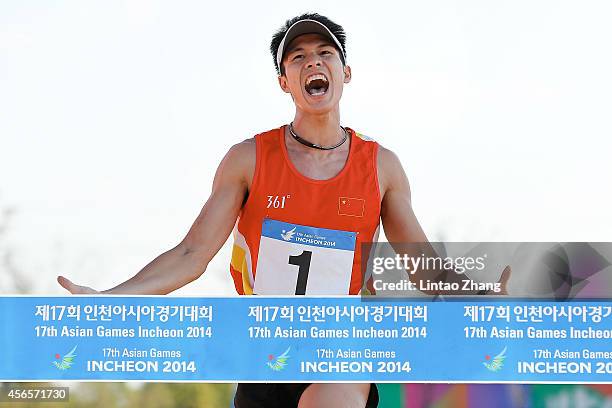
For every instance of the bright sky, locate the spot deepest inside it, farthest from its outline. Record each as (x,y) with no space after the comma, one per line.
(115,114)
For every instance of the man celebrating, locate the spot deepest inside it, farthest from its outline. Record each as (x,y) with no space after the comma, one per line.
(312,179)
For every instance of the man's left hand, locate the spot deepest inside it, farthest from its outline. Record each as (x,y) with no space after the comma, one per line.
(503,282)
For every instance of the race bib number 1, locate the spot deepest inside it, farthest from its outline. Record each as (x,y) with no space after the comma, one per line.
(300,260)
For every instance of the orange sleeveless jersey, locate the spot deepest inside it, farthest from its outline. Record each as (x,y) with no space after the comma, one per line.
(350,201)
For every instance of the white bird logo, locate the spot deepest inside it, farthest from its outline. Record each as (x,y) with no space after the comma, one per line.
(287,235)
(498,361)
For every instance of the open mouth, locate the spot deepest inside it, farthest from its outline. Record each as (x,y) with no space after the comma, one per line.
(316,84)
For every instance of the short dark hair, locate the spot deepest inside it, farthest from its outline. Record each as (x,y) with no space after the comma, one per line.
(336,30)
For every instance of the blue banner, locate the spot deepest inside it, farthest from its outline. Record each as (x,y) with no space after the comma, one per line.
(304,339)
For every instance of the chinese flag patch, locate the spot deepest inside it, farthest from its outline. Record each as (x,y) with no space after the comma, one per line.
(353,207)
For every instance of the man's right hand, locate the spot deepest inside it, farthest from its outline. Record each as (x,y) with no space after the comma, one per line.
(76,289)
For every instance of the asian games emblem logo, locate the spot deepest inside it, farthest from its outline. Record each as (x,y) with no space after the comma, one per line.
(66,361)
(287,235)
(278,363)
(497,362)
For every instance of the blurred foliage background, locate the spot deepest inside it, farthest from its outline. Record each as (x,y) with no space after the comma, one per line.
(123,395)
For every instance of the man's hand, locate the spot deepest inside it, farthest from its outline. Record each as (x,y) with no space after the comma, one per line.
(503,282)
(76,289)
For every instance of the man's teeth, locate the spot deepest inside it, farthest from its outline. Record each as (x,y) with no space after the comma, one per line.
(316,84)
(317,91)
(315,77)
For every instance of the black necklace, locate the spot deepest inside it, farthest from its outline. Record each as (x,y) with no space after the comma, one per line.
(316,146)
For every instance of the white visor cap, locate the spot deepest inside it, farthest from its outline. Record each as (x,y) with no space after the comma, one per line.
(306,27)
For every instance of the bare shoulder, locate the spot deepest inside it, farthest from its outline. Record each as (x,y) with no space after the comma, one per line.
(243,149)
(239,162)
(391,174)
(387,158)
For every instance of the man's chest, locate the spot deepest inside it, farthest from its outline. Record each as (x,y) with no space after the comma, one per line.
(323,167)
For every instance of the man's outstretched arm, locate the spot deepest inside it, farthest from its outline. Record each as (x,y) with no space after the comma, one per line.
(189,259)
(401,225)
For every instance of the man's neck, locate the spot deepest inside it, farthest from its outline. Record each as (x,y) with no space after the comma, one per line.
(323,129)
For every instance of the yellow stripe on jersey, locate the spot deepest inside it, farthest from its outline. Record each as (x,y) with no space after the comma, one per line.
(239,263)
